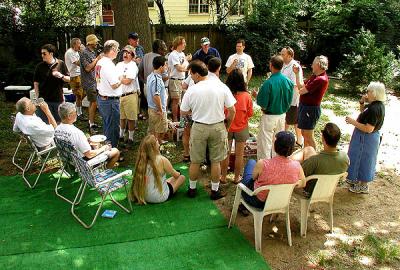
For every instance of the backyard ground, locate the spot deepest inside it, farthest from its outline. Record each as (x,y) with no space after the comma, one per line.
(366,231)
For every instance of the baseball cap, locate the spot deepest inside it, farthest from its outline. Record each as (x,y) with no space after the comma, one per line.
(204,41)
(129,49)
(285,138)
(91,39)
(133,35)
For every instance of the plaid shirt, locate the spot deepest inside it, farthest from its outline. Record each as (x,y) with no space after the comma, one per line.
(88,79)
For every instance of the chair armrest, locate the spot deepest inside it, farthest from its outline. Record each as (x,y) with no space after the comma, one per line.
(112,178)
(97,160)
(245,189)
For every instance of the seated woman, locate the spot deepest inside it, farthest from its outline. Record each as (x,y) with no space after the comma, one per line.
(277,170)
(150,184)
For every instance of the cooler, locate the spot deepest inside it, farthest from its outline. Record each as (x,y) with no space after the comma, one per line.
(15,92)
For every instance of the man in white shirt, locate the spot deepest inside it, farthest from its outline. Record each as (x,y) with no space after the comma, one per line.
(109,91)
(287,54)
(72,60)
(128,74)
(177,63)
(206,101)
(68,132)
(240,60)
(29,124)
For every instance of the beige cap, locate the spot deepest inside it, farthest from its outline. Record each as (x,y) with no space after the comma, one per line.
(91,39)
(129,49)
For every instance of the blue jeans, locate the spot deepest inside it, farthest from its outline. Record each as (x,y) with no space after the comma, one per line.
(53,107)
(109,110)
(248,181)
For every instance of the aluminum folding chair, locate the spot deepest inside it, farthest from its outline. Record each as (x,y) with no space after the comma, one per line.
(65,150)
(104,182)
(41,155)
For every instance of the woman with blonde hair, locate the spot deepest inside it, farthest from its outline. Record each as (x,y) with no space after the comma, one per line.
(365,141)
(150,184)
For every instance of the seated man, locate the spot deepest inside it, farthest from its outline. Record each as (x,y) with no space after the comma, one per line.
(28,123)
(328,161)
(68,132)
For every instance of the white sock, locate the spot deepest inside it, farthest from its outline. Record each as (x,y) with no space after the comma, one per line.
(121,132)
(131,132)
(78,110)
(91,123)
(215,186)
(192,184)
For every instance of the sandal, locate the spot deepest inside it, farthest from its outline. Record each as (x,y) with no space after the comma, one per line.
(186,158)
(238,181)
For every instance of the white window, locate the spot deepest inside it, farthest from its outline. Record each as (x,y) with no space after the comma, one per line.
(198,7)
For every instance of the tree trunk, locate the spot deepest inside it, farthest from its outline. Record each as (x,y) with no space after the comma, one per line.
(132,16)
(160,6)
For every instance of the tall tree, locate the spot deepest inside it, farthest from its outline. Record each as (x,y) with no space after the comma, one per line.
(132,16)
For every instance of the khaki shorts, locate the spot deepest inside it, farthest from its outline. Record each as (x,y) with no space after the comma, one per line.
(128,106)
(175,89)
(91,95)
(157,123)
(240,136)
(76,87)
(214,136)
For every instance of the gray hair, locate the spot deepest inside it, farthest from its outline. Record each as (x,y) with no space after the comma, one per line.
(110,44)
(74,41)
(65,109)
(322,61)
(377,89)
(21,105)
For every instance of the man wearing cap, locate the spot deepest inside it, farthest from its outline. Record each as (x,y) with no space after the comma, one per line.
(177,64)
(240,60)
(128,74)
(88,61)
(48,80)
(206,51)
(206,101)
(108,86)
(274,98)
(73,65)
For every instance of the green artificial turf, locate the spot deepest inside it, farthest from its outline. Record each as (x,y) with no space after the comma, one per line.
(37,231)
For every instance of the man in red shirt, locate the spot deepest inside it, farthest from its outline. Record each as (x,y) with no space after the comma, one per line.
(311,93)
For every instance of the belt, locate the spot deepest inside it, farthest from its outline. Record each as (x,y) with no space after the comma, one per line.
(107,98)
(127,94)
(207,124)
(176,79)
(269,113)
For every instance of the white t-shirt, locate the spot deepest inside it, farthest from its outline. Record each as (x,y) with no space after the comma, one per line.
(71,57)
(40,133)
(244,63)
(287,70)
(130,70)
(73,135)
(207,99)
(107,75)
(176,58)
(153,195)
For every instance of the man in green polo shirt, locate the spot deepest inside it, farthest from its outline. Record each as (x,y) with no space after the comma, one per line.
(274,98)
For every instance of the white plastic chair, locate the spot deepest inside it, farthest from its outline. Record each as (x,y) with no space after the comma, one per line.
(324,191)
(41,155)
(277,202)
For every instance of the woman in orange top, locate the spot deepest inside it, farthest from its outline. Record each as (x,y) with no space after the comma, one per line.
(239,130)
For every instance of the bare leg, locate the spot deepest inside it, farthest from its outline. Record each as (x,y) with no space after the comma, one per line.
(185,141)
(114,156)
(308,137)
(299,137)
(174,106)
(176,183)
(122,123)
(215,171)
(225,164)
(194,169)
(131,125)
(92,111)
(303,154)
(239,153)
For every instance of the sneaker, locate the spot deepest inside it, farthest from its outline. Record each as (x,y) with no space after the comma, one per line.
(192,192)
(243,210)
(216,195)
(121,142)
(359,189)
(350,182)
(81,117)
(94,129)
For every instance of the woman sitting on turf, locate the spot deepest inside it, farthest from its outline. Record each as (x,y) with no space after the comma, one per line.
(277,170)
(150,184)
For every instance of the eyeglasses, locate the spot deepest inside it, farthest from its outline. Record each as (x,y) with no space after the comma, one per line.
(116,50)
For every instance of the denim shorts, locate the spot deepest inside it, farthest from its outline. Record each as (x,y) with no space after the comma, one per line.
(308,116)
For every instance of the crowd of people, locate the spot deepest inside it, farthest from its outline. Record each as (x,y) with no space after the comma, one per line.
(128,85)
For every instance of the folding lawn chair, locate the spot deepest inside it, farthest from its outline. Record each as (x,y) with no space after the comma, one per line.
(65,150)
(42,156)
(277,202)
(104,182)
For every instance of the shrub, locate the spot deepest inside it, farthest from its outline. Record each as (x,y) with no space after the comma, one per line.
(367,62)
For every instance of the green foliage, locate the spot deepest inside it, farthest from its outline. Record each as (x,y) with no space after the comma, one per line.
(366,62)
(383,250)
(271,26)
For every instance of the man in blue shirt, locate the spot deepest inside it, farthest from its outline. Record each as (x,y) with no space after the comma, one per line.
(206,52)
(157,99)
